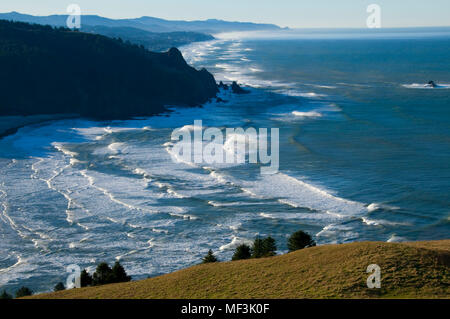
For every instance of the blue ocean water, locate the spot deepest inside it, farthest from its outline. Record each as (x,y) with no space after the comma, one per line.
(364,155)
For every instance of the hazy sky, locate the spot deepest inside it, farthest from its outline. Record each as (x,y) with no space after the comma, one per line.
(292,13)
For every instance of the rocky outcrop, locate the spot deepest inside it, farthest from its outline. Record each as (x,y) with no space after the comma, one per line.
(223,86)
(58,71)
(237,89)
(431,84)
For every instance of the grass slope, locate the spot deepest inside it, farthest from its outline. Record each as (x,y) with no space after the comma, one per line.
(408,270)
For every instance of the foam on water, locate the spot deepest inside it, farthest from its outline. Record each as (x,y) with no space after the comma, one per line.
(235,241)
(307,114)
(396,239)
(381,222)
(426,86)
(297,193)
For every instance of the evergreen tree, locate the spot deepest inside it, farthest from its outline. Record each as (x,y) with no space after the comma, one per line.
(242,252)
(23,291)
(258,248)
(5,295)
(59,286)
(85,278)
(102,275)
(209,258)
(119,274)
(300,240)
(269,247)
(263,247)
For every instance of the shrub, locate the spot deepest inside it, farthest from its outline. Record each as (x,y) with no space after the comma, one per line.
(242,252)
(59,286)
(300,240)
(209,258)
(23,291)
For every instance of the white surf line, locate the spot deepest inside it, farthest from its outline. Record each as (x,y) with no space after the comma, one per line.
(168,147)
(150,244)
(107,193)
(34,175)
(321,192)
(20,229)
(13,162)
(70,201)
(221,179)
(149,179)
(8,218)
(19,262)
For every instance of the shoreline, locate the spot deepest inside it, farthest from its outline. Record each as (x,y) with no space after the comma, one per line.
(9,125)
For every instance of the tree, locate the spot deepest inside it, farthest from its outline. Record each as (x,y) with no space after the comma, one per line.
(269,247)
(119,274)
(264,247)
(300,240)
(258,248)
(5,295)
(209,258)
(23,291)
(102,275)
(59,286)
(242,252)
(85,278)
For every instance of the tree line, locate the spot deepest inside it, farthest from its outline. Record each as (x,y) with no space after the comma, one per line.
(265,247)
(104,274)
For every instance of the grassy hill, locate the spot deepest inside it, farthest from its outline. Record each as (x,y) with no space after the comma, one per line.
(408,270)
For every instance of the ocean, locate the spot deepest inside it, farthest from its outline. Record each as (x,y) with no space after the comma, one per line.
(364,155)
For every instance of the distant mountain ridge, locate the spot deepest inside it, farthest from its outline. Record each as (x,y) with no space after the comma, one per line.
(153,41)
(151,24)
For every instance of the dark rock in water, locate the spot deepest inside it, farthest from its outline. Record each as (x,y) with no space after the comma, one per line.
(220,100)
(237,89)
(222,86)
(58,71)
(432,84)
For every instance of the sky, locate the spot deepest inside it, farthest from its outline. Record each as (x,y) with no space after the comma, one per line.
(290,13)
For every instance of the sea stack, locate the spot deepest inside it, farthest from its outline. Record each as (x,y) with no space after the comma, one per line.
(237,89)
(432,84)
(223,86)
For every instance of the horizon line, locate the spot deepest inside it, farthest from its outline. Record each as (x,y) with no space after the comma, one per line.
(236,21)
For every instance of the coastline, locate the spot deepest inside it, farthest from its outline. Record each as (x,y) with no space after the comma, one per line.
(9,125)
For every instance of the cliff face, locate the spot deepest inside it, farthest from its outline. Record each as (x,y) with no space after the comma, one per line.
(50,71)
